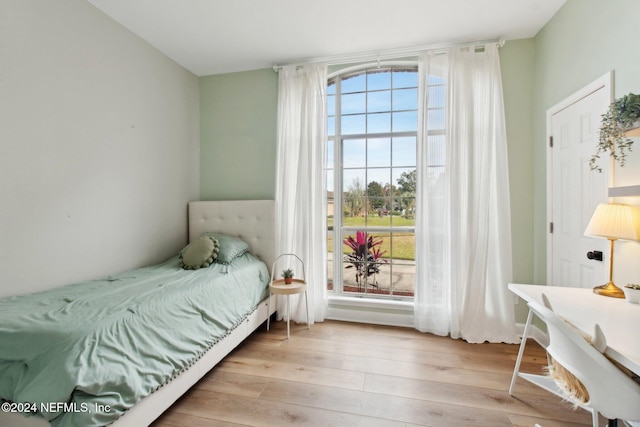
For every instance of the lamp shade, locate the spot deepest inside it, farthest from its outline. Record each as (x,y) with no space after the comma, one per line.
(613,221)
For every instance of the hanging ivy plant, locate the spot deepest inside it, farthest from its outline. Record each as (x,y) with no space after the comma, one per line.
(619,118)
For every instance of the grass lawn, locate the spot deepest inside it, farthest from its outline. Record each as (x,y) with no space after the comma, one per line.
(403,242)
(375,221)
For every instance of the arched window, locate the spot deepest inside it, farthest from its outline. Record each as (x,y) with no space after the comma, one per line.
(372,121)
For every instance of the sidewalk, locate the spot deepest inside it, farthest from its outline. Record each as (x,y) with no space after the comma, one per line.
(399,272)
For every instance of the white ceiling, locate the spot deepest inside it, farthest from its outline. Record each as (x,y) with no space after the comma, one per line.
(221,36)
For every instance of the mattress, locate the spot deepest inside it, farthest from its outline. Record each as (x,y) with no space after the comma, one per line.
(83,354)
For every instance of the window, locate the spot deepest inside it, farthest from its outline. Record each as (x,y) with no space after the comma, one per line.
(371,177)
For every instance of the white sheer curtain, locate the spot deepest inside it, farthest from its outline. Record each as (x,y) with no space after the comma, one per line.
(300,189)
(463,228)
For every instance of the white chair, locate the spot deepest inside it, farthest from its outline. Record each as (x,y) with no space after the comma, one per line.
(611,392)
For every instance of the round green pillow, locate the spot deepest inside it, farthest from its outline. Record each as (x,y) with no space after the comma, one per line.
(200,254)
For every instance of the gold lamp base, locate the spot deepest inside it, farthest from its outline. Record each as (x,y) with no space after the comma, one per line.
(609,290)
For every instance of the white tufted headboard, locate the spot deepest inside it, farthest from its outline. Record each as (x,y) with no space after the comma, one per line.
(251,220)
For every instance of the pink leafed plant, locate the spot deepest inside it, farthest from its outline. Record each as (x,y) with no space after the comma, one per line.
(366,256)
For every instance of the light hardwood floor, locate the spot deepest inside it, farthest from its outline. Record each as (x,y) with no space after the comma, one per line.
(349,374)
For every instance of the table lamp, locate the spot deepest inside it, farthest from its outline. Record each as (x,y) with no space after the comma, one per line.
(612,221)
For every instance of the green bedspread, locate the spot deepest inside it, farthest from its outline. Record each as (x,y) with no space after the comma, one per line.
(85,353)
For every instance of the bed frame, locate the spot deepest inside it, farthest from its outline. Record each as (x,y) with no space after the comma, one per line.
(251,220)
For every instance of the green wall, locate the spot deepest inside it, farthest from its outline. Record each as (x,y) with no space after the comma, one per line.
(238,135)
(238,140)
(517,65)
(584,40)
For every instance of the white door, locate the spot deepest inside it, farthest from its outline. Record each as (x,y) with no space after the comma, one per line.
(574,190)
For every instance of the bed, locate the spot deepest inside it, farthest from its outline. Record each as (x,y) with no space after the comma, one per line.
(172,348)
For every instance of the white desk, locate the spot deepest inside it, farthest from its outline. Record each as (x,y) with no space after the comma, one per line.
(619,319)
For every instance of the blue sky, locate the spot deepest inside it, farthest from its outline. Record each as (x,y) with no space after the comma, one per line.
(367,102)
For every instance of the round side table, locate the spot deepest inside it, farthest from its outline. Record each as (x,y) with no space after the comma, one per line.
(278,287)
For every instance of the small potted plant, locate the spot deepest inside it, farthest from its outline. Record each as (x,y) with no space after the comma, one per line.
(288,276)
(623,114)
(632,292)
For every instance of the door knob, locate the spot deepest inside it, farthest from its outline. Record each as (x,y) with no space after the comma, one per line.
(596,255)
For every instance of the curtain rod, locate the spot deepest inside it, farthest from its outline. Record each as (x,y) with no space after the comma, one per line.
(385,54)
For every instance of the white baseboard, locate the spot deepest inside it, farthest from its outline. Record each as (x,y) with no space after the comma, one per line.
(394,314)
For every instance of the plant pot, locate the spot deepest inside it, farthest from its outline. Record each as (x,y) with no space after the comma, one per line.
(633,130)
(631,295)
(288,280)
